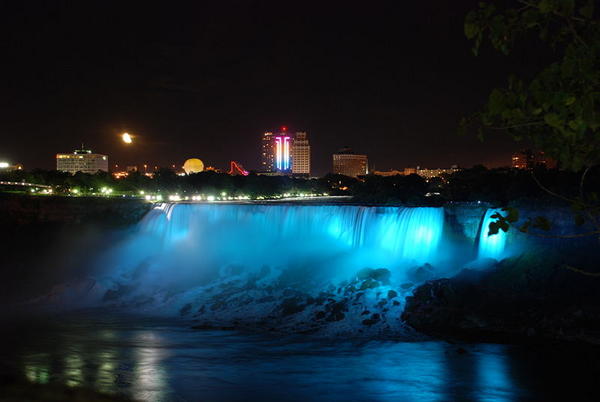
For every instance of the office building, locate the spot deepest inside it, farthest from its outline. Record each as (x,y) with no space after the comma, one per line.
(82,160)
(346,162)
(300,155)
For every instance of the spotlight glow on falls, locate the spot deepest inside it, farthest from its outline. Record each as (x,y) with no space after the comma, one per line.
(491,246)
(178,248)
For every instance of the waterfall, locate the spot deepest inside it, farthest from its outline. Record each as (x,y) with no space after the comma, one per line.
(233,261)
(391,235)
(182,248)
(491,246)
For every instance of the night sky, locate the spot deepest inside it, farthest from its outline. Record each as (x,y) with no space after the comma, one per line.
(205,79)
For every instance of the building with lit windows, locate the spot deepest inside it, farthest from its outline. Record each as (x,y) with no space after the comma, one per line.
(283,160)
(276,152)
(82,160)
(428,174)
(300,155)
(528,159)
(267,152)
(346,162)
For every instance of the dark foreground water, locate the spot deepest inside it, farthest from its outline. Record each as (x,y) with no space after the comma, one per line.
(156,360)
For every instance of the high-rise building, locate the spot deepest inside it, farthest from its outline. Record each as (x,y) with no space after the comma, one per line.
(276,152)
(528,159)
(346,162)
(300,155)
(283,161)
(267,152)
(82,160)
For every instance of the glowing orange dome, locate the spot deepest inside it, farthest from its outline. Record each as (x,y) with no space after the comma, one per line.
(193,166)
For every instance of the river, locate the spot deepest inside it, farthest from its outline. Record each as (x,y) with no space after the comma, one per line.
(153,359)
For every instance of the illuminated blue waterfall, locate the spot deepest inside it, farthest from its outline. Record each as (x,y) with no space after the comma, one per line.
(346,237)
(491,246)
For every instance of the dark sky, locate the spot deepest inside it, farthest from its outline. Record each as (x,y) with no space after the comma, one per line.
(205,79)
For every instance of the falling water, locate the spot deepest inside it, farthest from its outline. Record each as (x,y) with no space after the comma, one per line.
(491,246)
(179,248)
(391,234)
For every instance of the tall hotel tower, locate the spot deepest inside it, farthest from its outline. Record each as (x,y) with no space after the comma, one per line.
(267,153)
(300,155)
(282,154)
(283,159)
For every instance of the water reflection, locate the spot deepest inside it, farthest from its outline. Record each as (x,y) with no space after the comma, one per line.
(106,373)
(150,373)
(157,362)
(73,372)
(493,374)
(36,368)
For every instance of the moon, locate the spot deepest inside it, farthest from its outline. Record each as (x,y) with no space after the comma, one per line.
(127,139)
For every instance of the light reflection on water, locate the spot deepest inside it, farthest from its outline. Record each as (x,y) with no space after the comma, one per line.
(157,361)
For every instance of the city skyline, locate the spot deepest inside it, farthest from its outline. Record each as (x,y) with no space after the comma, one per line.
(208,79)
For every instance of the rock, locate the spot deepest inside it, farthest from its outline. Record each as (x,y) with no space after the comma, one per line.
(186,309)
(364,274)
(369,284)
(292,305)
(423,273)
(336,310)
(381,274)
(519,298)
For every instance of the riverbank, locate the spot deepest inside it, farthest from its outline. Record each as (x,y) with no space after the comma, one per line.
(530,298)
(58,210)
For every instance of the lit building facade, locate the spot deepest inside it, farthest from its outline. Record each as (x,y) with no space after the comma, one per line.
(388,173)
(276,152)
(350,164)
(528,159)
(428,174)
(301,155)
(82,160)
(283,161)
(267,152)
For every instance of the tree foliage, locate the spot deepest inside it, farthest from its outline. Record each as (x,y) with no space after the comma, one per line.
(558,110)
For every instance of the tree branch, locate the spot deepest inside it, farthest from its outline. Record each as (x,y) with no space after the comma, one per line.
(519,125)
(552,193)
(581,271)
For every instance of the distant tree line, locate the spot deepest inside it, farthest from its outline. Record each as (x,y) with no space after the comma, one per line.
(499,186)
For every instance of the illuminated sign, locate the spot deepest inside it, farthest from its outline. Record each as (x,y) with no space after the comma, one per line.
(282,152)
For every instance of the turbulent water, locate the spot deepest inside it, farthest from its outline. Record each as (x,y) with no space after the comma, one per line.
(333,269)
